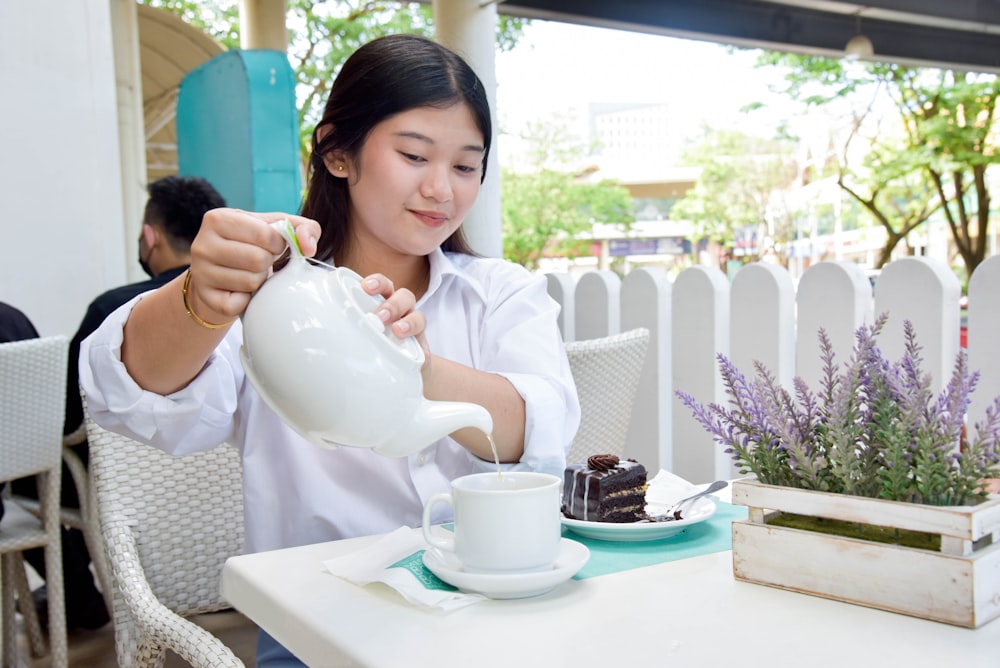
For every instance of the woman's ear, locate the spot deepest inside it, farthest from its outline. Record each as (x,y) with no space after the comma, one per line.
(335,161)
(336,164)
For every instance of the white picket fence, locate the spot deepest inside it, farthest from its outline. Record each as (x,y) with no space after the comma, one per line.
(761,315)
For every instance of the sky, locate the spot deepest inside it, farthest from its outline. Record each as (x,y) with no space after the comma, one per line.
(559,68)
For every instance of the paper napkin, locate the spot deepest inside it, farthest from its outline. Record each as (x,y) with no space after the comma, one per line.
(666,489)
(396,560)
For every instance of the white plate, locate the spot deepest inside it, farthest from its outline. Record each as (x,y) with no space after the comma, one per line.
(572,557)
(700,511)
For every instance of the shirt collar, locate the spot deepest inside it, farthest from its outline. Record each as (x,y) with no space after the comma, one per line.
(173,273)
(444,270)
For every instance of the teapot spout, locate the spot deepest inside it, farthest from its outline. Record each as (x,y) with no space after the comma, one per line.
(434,420)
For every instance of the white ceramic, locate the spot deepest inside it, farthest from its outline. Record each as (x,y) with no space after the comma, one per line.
(572,557)
(633,532)
(505,524)
(319,356)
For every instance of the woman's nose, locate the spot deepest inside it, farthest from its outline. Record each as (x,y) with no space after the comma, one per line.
(437,184)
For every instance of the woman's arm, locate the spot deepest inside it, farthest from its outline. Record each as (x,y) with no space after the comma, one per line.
(446,380)
(165,346)
(451,381)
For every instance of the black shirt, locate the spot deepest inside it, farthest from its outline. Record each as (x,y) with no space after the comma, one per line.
(14,325)
(98,310)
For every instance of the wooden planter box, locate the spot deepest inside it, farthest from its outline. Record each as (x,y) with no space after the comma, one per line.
(958,583)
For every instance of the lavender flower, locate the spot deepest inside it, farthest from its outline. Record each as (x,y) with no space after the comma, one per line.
(874,429)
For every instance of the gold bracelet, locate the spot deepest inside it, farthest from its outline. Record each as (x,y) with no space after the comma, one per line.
(190,311)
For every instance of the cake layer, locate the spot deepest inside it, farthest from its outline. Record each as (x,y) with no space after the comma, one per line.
(605,489)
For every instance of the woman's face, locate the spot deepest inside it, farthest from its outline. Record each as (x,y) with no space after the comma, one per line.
(418,175)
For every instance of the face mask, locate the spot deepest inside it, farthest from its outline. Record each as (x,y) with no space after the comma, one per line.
(142,263)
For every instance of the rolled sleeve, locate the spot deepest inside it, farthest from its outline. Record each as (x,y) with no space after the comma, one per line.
(520,340)
(552,415)
(197,417)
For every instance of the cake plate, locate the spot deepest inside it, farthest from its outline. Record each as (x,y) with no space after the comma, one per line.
(700,510)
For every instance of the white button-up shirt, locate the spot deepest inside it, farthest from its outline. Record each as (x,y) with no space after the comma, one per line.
(486,313)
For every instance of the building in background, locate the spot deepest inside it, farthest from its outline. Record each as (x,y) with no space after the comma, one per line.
(641,147)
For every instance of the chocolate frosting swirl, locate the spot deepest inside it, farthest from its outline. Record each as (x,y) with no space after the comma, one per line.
(602,462)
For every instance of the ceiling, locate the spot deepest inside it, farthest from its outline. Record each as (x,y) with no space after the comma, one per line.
(964,34)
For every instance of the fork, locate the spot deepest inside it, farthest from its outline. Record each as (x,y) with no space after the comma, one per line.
(674,512)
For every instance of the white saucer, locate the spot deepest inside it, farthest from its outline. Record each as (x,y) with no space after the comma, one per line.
(572,557)
(700,510)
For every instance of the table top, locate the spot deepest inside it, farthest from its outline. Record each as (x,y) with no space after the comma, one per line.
(690,612)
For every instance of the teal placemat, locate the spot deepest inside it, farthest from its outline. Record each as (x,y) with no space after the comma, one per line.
(713,535)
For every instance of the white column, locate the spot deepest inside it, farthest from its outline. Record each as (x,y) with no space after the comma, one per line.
(469,28)
(262,25)
(131,128)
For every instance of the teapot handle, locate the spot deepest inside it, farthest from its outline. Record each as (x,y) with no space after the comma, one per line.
(285,229)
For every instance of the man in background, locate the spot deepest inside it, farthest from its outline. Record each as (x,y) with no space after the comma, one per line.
(15,325)
(170,222)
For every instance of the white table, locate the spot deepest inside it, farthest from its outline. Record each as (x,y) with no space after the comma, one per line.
(682,613)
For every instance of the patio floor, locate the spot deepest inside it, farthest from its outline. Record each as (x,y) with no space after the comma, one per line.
(96,649)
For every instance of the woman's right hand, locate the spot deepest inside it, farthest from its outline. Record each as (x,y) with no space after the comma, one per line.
(164,346)
(232,256)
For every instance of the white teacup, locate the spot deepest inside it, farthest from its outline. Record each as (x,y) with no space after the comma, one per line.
(506,523)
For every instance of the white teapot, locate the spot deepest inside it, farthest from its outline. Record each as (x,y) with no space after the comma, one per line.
(319,356)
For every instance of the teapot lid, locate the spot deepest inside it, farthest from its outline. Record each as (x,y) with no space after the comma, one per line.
(367,304)
(350,281)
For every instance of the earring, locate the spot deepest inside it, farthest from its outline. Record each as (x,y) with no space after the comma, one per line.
(340,168)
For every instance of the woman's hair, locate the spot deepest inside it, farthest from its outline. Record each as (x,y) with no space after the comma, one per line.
(385,77)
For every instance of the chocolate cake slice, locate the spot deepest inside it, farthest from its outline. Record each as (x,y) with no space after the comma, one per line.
(605,489)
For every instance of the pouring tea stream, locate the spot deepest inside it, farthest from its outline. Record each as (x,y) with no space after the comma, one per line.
(326,364)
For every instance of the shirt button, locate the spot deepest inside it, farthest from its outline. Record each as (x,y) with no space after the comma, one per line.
(420,460)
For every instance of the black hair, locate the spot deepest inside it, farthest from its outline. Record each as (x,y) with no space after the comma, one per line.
(385,77)
(177,204)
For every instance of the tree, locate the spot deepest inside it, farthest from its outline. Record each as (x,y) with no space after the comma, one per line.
(322,34)
(738,192)
(948,125)
(552,208)
(217,18)
(953,121)
(895,192)
(552,212)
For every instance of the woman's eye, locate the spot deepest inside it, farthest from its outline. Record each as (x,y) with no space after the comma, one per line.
(466,169)
(412,157)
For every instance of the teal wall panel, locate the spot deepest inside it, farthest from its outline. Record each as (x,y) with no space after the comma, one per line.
(237,126)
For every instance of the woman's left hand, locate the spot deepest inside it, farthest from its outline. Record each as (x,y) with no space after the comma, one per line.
(398,312)
(447,380)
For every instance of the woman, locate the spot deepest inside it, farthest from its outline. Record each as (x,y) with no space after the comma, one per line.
(398,159)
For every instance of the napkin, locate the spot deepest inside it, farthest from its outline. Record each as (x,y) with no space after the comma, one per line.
(666,489)
(396,560)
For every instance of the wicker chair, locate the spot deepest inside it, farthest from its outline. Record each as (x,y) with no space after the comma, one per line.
(606,371)
(83,518)
(32,405)
(168,523)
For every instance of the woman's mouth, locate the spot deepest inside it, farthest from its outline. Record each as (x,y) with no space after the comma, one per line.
(430,218)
